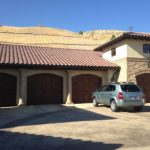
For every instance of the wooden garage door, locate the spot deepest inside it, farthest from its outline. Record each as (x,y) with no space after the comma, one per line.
(8,86)
(144,82)
(83,86)
(44,89)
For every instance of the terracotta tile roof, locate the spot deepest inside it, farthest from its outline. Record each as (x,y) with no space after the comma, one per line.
(19,55)
(125,35)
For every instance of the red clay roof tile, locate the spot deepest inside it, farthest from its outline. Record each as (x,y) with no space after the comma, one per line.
(35,56)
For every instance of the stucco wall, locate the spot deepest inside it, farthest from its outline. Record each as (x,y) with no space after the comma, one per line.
(126,49)
(121,51)
(23,74)
(130,57)
(102,74)
(122,77)
(135,48)
(120,59)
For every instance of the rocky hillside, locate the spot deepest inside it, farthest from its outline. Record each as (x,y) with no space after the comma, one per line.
(52,37)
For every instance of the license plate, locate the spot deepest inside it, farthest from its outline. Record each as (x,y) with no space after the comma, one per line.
(133,97)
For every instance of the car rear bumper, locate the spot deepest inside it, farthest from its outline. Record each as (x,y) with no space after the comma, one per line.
(130,103)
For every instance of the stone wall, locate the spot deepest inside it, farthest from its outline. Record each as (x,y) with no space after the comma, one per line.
(131,67)
(135,66)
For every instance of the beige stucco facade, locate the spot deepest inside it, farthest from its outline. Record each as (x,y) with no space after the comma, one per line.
(67,75)
(121,51)
(135,48)
(130,58)
(122,76)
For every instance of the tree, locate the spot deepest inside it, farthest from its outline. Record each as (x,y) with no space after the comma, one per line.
(113,37)
(81,33)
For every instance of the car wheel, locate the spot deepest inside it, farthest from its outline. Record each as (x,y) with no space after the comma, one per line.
(113,106)
(95,103)
(138,108)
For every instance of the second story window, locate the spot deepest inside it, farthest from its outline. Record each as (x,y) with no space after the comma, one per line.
(113,51)
(146,48)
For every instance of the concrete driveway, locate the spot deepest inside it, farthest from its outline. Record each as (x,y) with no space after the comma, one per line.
(71,127)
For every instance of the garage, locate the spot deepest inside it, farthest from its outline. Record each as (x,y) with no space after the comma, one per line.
(46,75)
(8,86)
(83,86)
(143,81)
(44,89)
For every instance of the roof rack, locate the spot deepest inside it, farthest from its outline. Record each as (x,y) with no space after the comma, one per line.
(121,82)
(114,82)
(126,83)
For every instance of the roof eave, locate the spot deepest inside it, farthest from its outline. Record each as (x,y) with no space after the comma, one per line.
(121,38)
(57,67)
(100,48)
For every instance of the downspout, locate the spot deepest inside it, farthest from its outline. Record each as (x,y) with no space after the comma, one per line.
(113,79)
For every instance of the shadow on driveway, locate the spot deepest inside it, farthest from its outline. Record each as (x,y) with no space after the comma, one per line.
(67,114)
(22,141)
(145,108)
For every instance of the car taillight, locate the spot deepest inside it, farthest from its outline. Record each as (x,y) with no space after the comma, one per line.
(120,96)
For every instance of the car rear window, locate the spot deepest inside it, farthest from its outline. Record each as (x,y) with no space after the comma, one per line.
(130,88)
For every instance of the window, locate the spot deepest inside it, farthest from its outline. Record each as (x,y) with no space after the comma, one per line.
(104,88)
(111,88)
(113,51)
(130,88)
(146,48)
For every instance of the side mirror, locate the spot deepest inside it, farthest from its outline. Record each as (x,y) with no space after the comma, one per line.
(98,90)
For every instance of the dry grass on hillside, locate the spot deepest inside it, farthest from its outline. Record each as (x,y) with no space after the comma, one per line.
(51,37)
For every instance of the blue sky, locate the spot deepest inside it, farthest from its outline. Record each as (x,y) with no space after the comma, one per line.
(76,15)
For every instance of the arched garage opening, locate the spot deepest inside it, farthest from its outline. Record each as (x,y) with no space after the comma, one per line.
(44,89)
(8,90)
(143,80)
(83,86)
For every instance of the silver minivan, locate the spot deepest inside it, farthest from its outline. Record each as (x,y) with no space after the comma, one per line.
(117,95)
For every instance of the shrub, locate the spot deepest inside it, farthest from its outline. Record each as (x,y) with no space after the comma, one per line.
(81,33)
(113,37)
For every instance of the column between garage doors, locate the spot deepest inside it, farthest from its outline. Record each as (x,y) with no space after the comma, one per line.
(69,88)
(22,88)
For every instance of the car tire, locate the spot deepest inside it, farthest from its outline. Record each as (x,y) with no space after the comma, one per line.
(138,108)
(113,106)
(95,103)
